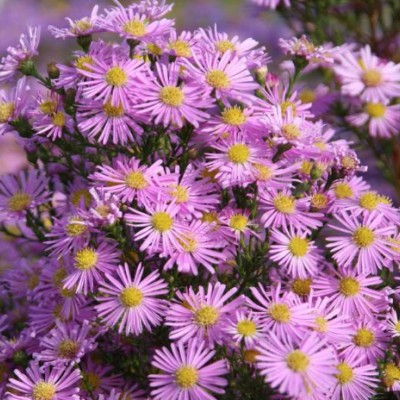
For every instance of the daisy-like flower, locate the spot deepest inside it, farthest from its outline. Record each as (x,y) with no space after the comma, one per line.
(105,209)
(134,305)
(22,192)
(294,252)
(131,24)
(235,160)
(367,76)
(227,76)
(186,374)
(51,383)
(354,381)
(349,188)
(82,27)
(279,313)
(297,370)
(364,241)
(391,377)
(203,314)
(128,180)
(65,344)
(89,264)
(180,45)
(281,208)
(160,227)
(111,81)
(368,343)
(170,102)
(394,324)
(349,291)
(383,120)
(17,56)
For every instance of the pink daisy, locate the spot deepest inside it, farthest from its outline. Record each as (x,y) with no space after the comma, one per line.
(297,370)
(367,76)
(203,314)
(132,304)
(51,383)
(170,101)
(186,374)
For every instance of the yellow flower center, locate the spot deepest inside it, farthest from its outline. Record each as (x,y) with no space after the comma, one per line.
(206,316)
(113,111)
(370,200)
(48,107)
(279,312)
(343,191)
(363,237)
(348,162)
(68,348)
(74,227)
(135,28)
(364,338)
(307,96)
(182,48)
(33,281)
(43,391)
(306,167)
(250,355)
(83,61)
(391,375)
(189,244)
(298,246)
(224,45)
(154,49)
(116,76)
(233,116)
(301,287)
(59,276)
(397,326)
(246,327)
(58,119)
(85,259)
(180,193)
(322,324)
(284,204)
(6,111)
(83,25)
(238,222)
(67,293)
(371,77)
(297,361)
(131,297)
(286,105)
(19,201)
(238,153)
(349,286)
(264,173)
(186,377)
(172,96)
(290,131)
(92,379)
(162,221)
(136,180)
(375,110)
(345,374)
(78,195)
(210,217)
(218,79)
(319,201)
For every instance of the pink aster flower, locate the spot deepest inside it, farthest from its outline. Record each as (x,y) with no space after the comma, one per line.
(349,291)
(349,188)
(280,313)
(365,242)
(65,344)
(281,208)
(171,102)
(23,192)
(89,264)
(130,23)
(105,209)
(128,180)
(393,324)
(383,120)
(134,305)
(51,383)
(111,81)
(203,314)
(227,76)
(367,76)
(354,381)
(186,374)
(297,370)
(159,227)
(295,252)
(25,50)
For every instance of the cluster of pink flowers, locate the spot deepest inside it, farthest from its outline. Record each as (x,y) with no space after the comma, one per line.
(188,227)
